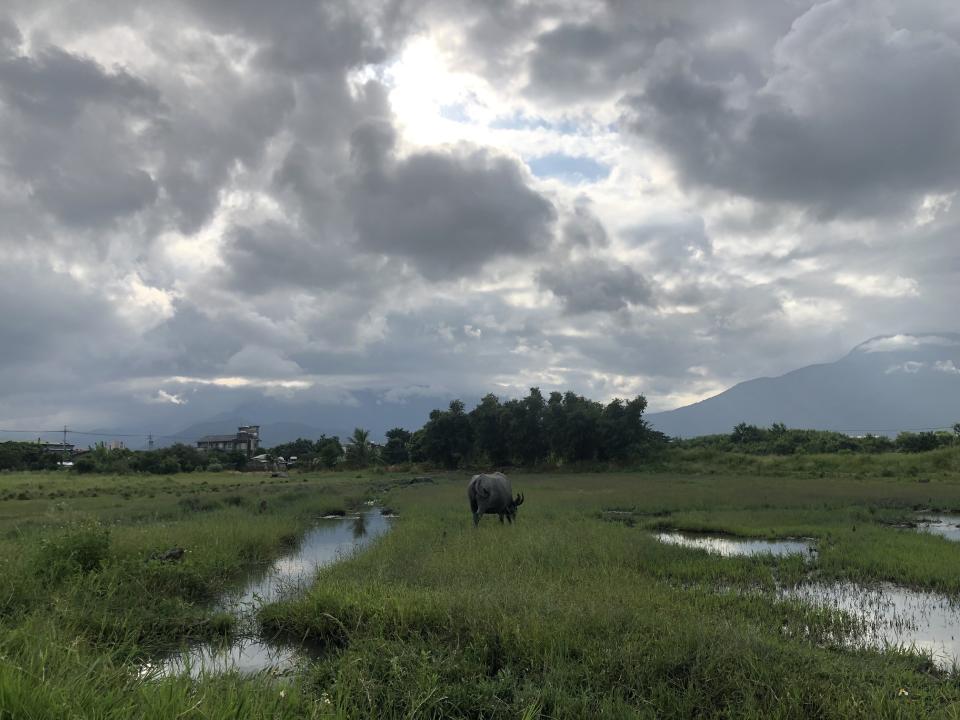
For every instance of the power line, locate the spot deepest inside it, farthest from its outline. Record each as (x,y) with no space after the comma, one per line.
(67,431)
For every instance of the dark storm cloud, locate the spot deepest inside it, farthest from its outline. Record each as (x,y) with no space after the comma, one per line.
(303,36)
(254,207)
(853,116)
(274,256)
(607,49)
(448,213)
(596,286)
(583,228)
(195,341)
(577,61)
(45,310)
(200,149)
(67,134)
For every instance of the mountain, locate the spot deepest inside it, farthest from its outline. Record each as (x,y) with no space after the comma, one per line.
(885,385)
(282,421)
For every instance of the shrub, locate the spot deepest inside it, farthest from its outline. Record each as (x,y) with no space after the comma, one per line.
(80,549)
(167,466)
(215,467)
(193,504)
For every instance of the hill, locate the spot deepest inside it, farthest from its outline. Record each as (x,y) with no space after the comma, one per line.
(885,385)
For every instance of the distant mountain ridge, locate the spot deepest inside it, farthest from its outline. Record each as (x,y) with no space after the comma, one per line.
(887,384)
(282,422)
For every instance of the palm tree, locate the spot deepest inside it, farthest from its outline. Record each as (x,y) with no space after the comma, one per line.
(359,451)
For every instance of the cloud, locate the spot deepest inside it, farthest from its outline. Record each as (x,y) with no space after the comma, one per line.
(264,206)
(946,366)
(595,286)
(69,135)
(879,286)
(448,213)
(582,228)
(906,342)
(578,60)
(274,255)
(162,396)
(262,362)
(850,119)
(910,367)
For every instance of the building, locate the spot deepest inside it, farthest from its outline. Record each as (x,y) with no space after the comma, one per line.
(57,448)
(246,439)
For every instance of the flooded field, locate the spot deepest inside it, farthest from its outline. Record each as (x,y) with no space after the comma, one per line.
(330,541)
(882,616)
(727,546)
(889,616)
(947,526)
(851,612)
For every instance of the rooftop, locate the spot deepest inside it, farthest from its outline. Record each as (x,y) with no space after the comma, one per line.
(219,438)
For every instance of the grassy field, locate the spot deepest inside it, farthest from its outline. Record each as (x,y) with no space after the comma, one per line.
(573,612)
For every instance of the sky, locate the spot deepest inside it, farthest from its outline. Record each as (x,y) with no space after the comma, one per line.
(208,202)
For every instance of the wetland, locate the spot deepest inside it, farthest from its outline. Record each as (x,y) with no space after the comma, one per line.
(778,594)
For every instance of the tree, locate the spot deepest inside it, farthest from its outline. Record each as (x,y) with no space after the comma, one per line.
(359,450)
(489,430)
(448,436)
(623,433)
(744,433)
(395,451)
(329,451)
(523,419)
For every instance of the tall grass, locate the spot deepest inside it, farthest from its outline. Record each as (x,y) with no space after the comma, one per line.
(568,615)
(573,612)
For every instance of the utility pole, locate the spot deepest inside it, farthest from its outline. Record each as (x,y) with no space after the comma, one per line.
(64,448)
(150,441)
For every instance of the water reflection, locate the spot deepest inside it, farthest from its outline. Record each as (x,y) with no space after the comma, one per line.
(328,542)
(247,656)
(890,616)
(947,526)
(730,547)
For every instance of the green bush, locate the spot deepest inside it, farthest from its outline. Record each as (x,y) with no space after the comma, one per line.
(80,549)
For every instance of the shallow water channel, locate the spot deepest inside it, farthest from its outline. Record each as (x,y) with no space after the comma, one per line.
(329,541)
(891,616)
(733,546)
(947,526)
(884,616)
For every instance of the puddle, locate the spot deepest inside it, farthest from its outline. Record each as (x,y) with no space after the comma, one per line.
(331,540)
(947,526)
(731,547)
(890,616)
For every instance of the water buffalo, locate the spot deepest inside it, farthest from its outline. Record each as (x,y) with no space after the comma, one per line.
(492,494)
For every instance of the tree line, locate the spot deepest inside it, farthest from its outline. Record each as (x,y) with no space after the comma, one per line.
(778,439)
(563,429)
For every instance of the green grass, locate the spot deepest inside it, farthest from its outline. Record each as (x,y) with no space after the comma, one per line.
(569,614)
(573,612)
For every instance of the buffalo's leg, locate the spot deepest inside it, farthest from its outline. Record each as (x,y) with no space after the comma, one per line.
(476,519)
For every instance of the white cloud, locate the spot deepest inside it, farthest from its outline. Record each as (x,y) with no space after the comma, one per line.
(879,285)
(946,366)
(905,342)
(911,367)
(163,396)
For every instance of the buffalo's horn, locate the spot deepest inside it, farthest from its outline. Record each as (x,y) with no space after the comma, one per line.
(519,499)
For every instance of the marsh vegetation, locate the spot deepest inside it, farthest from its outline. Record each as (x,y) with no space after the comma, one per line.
(576,611)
